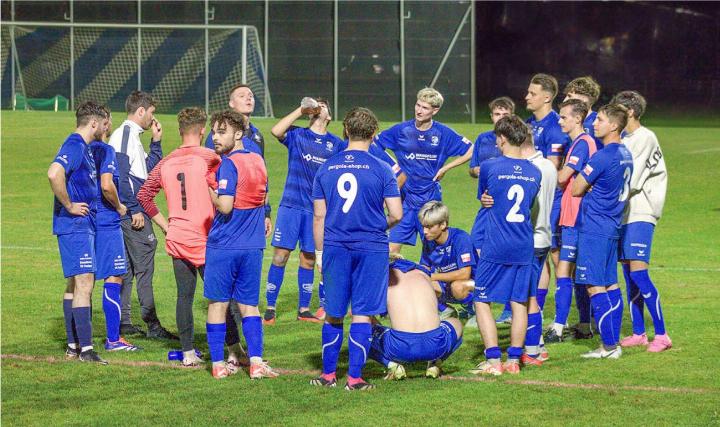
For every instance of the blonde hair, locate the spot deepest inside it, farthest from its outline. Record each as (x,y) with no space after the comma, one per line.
(433,213)
(431,96)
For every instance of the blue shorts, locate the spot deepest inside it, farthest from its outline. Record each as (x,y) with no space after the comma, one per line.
(596,261)
(502,282)
(537,268)
(406,231)
(77,253)
(555,223)
(636,241)
(568,250)
(293,225)
(355,277)
(233,273)
(407,347)
(110,253)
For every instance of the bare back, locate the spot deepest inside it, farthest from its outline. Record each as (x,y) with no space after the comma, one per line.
(411,302)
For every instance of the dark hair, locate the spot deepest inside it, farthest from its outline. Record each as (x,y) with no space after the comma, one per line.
(579,108)
(513,129)
(90,110)
(137,99)
(547,82)
(325,101)
(632,100)
(586,86)
(360,123)
(238,86)
(502,102)
(616,113)
(229,118)
(191,119)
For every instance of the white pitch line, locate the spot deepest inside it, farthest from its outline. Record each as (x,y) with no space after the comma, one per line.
(705,150)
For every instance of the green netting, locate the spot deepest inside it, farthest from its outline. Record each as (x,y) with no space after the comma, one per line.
(56,103)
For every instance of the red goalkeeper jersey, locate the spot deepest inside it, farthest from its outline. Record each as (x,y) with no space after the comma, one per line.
(184,176)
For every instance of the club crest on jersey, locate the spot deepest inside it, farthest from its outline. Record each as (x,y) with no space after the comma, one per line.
(329,145)
(349,158)
(434,140)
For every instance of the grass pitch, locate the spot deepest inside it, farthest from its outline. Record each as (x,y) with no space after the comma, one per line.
(678,387)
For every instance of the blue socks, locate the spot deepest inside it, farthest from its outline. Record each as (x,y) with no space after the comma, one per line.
(216,341)
(635,301)
(534,332)
(83,326)
(493,354)
(72,338)
(253,332)
(652,298)
(582,301)
(616,301)
(321,293)
(563,299)
(305,286)
(541,295)
(602,310)
(358,347)
(111,308)
(332,339)
(274,282)
(514,353)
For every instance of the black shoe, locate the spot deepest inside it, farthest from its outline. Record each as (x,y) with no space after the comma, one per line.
(71,353)
(552,337)
(320,381)
(580,334)
(91,356)
(362,385)
(130,329)
(158,332)
(269,317)
(306,316)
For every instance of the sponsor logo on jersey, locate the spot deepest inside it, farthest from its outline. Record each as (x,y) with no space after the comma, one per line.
(421,156)
(465,257)
(222,185)
(62,158)
(517,168)
(556,148)
(588,169)
(573,160)
(349,158)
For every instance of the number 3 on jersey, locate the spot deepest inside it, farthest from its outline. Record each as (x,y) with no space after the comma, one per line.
(350,193)
(626,185)
(515,192)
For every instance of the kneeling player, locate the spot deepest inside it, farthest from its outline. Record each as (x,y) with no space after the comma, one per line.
(449,254)
(233,260)
(416,333)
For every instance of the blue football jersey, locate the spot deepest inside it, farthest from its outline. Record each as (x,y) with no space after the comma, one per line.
(590,130)
(548,136)
(513,184)
(609,172)
(457,252)
(485,148)
(378,152)
(307,151)
(420,155)
(81,184)
(354,185)
(104,156)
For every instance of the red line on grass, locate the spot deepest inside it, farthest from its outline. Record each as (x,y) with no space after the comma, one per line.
(310,373)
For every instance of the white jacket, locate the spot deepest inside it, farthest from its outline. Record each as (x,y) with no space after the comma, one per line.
(648,184)
(543,203)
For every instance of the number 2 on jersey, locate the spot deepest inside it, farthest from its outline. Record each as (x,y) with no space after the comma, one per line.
(348,194)
(515,192)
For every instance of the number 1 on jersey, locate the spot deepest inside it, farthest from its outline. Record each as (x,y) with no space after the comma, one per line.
(347,194)
(181,178)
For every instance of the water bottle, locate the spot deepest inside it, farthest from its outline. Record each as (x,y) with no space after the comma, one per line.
(178,354)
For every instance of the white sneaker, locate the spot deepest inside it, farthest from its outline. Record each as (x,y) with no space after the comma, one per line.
(448,313)
(395,371)
(433,370)
(601,353)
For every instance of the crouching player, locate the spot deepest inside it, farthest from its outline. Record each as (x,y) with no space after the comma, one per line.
(109,243)
(448,253)
(416,333)
(601,211)
(504,272)
(234,255)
